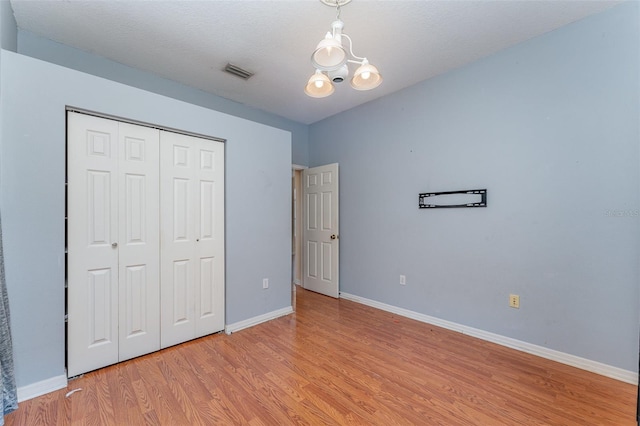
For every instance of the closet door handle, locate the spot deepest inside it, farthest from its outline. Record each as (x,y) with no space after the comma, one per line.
(114,245)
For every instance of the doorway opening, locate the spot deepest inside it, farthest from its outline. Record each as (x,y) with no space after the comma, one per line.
(296,230)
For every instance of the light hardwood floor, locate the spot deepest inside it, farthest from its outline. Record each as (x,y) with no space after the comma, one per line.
(336,362)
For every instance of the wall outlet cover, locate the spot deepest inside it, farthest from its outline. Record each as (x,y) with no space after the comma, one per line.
(514,301)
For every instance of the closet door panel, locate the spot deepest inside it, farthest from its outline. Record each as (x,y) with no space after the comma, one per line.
(92,268)
(139,241)
(207,297)
(192,212)
(178,274)
(210,248)
(181,296)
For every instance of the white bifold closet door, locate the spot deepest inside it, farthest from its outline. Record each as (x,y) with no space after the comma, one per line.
(113,242)
(145,240)
(192,212)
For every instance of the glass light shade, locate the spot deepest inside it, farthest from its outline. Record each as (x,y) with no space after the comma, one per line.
(329,55)
(319,86)
(366,77)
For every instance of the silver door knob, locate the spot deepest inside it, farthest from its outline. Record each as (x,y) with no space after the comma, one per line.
(334,237)
(114,245)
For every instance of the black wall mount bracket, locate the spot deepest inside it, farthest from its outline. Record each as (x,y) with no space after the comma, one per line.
(453,199)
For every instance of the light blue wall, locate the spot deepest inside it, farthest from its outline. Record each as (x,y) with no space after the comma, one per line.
(8,37)
(38,47)
(551,129)
(258,193)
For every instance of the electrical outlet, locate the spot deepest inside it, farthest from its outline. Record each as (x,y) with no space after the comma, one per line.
(265,283)
(403,280)
(514,301)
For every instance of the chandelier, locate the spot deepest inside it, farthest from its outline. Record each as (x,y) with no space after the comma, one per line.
(331,60)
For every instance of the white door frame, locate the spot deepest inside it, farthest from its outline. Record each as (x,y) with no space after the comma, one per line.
(296,220)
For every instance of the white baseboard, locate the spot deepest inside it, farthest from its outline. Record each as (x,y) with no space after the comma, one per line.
(564,358)
(40,388)
(232,328)
(59,382)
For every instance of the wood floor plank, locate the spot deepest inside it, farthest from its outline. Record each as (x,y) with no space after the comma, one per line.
(336,362)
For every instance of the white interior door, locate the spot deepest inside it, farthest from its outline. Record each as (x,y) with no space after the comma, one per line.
(192,235)
(92,236)
(138,241)
(321,229)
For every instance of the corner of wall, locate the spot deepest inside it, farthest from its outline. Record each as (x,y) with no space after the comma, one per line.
(8,27)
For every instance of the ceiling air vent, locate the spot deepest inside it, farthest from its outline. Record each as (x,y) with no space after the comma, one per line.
(238,72)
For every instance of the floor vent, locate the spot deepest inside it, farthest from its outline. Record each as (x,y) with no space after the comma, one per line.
(238,72)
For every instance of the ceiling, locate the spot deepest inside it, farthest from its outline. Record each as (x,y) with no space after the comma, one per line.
(191,41)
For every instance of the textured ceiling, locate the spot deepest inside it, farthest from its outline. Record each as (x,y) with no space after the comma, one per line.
(191,41)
